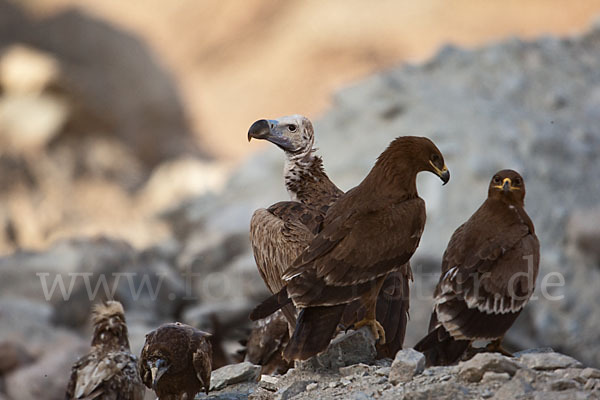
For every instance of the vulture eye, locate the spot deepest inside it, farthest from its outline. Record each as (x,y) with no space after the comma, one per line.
(292,128)
(497,179)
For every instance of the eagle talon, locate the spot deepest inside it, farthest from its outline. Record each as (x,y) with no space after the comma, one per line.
(496,347)
(376,329)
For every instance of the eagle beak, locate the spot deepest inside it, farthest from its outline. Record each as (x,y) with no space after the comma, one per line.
(506,184)
(443,173)
(157,369)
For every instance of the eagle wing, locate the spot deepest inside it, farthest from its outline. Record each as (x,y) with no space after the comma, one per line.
(338,254)
(202,357)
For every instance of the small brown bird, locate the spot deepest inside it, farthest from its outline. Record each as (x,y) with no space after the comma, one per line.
(109,371)
(369,232)
(488,274)
(280,233)
(176,361)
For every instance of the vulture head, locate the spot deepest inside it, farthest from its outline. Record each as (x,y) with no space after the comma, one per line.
(294,134)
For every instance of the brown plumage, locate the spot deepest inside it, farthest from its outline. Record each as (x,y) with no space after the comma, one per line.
(488,274)
(176,361)
(266,342)
(369,232)
(109,371)
(280,233)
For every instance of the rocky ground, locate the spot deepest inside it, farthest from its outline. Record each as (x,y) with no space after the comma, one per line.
(529,105)
(532,374)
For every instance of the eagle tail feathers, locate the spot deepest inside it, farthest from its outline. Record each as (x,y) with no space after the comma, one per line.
(440,348)
(270,305)
(315,327)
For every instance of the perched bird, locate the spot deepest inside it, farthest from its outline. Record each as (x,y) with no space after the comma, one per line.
(109,371)
(176,361)
(280,233)
(488,274)
(369,232)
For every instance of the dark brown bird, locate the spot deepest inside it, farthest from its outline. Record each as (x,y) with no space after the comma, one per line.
(280,233)
(266,342)
(369,232)
(176,361)
(488,274)
(109,371)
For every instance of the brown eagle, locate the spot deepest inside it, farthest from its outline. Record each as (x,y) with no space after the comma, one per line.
(109,371)
(176,361)
(488,274)
(280,233)
(369,232)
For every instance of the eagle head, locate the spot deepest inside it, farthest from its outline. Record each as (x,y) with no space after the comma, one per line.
(508,185)
(110,328)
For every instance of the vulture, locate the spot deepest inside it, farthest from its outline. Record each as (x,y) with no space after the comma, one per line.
(368,233)
(109,371)
(488,274)
(280,233)
(176,361)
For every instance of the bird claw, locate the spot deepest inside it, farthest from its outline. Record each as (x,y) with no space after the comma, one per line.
(376,329)
(496,347)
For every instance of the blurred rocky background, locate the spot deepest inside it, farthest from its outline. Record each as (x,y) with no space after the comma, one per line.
(125,172)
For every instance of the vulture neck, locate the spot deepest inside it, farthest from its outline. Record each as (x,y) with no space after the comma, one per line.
(306,180)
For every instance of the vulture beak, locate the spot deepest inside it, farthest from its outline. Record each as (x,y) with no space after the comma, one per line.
(157,369)
(268,130)
(443,173)
(506,184)
(259,130)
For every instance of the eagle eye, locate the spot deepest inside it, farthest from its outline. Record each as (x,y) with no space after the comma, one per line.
(435,158)
(292,128)
(497,179)
(517,181)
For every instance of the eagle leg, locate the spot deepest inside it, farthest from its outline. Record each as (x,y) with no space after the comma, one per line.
(495,346)
(369,301)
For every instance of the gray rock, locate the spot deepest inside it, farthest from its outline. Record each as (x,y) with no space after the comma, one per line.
(491,376)
(294,389)
(357,369)
(407,363)
(473,369)
(347,349)
(13,355)
(588,373)
(592,384)
(268,382)
(49,375)
(234,373)
(563,384)
(439,391)
(549,361)
(516,388)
